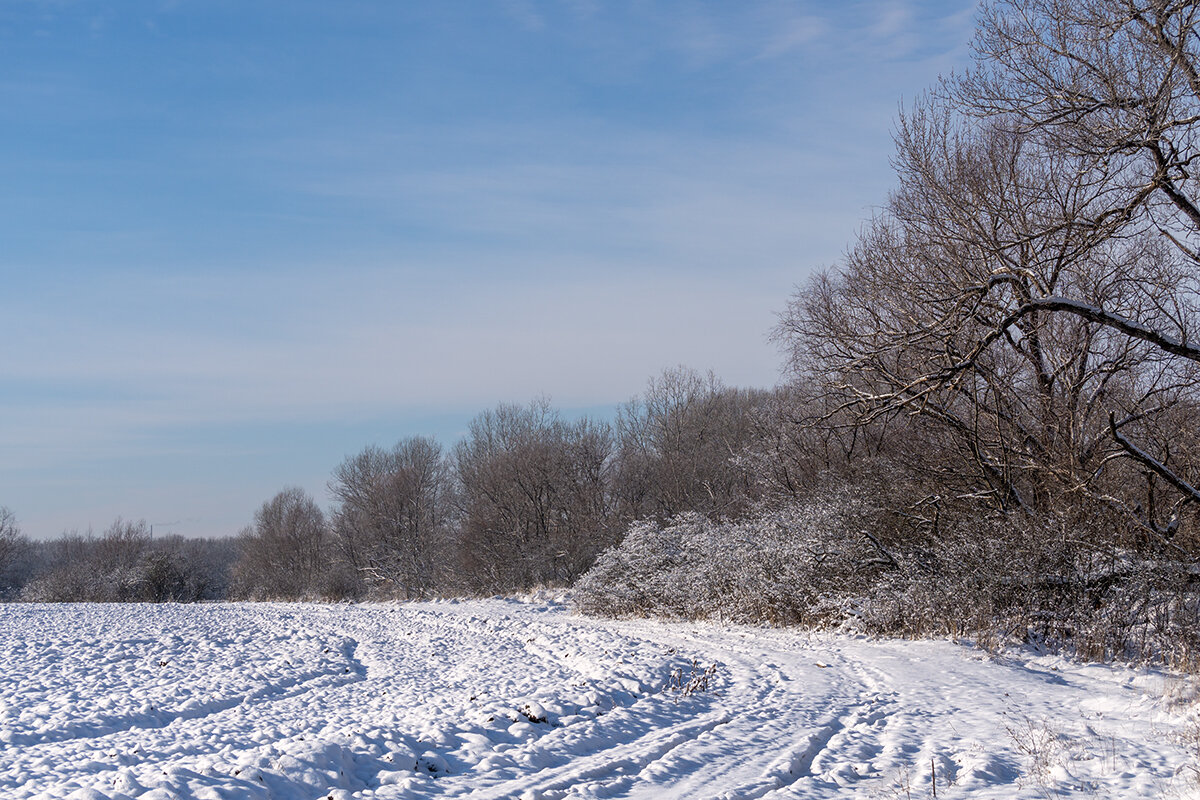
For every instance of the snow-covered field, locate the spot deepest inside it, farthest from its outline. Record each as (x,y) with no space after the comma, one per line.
(497,699)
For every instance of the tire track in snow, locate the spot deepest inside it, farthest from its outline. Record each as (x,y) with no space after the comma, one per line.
(610,768)
(749,709)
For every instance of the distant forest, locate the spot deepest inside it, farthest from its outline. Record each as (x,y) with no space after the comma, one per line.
(990,425)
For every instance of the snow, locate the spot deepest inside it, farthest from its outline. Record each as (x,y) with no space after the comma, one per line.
(505,699)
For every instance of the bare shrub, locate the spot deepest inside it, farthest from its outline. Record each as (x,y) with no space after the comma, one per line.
(698,680)
(125,564)
(85,568)
(1042,581)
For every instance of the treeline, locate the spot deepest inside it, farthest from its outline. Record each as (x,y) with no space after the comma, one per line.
(526,499)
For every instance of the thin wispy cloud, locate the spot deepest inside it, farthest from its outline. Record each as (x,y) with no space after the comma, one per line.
(525,13)
(795,33)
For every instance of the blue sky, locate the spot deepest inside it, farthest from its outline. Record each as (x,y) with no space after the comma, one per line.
(241,240)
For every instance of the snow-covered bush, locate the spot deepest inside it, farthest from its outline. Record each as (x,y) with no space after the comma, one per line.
(776,565)
(836,562)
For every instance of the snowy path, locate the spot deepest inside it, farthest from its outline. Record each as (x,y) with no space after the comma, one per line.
(448,700)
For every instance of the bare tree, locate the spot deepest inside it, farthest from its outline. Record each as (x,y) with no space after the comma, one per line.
(288,552)
(1028,291)
(1113,85)
(392,517)
(14,548)
(804,447)
(533,497)
(10,534)
(680,446)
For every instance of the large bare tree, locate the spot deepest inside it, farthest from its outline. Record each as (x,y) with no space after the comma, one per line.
(1030,288)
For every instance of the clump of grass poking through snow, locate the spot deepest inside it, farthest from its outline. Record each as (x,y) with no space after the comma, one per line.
(694,681)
